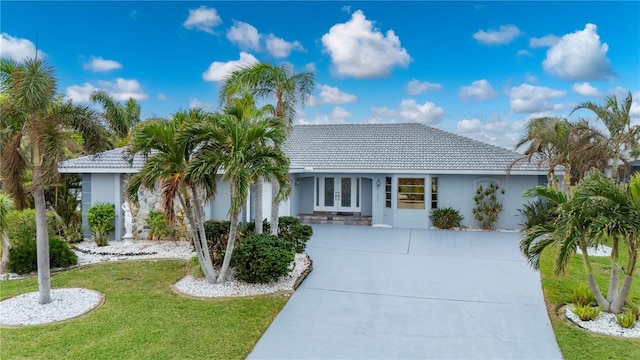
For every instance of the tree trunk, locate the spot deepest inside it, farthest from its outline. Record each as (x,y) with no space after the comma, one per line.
(612,293)
(42,241)
(207,269)
(618,304)
(6,247)
(259,216)
(230,243)
(595,290)
(275,207)
(199,215)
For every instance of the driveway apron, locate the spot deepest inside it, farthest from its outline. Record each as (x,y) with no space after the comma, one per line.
(383,293)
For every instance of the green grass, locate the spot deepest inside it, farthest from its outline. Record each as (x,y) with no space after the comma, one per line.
(140,319)
(576,343)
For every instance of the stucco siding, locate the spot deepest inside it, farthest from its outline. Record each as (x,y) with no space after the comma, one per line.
(105,188)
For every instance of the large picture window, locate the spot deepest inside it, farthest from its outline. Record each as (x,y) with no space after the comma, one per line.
(411,193)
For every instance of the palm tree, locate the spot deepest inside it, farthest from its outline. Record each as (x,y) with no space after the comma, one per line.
(286,89)
(622,136)
(36,133)
(6,205)
(120,118)
(599,211)
(168,155)
(244,149)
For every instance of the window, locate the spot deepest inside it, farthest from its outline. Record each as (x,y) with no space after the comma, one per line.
(434,192)
(387,190)
(411,193)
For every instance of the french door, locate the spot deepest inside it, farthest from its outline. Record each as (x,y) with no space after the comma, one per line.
(337,194)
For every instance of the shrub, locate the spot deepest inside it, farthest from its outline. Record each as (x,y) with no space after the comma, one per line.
(158,224)
(23,225)
(586,312)
(101,218)
(582,295)
(627,319)
(446,218)
(24,256)
(291,230)
(194,268)
(263,258)
(537,213)
(488,207)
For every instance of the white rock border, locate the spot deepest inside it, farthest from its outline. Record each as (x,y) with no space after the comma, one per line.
(604,323)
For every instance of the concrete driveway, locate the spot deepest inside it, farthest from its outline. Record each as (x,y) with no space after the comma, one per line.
(381,293)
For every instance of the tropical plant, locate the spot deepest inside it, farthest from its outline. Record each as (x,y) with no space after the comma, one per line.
(446,218)
(120,118)
(6,205)
(168,154)
(582,295)
(287,90)
(262,258)
(158,224)
(101,218)
(599,211)
(622,135)
(586,312)
(626,319)
(537,213)
(245,149)
(488,205)
(36,129)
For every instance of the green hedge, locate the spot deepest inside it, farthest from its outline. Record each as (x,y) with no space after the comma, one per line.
(262,258)
(24,256)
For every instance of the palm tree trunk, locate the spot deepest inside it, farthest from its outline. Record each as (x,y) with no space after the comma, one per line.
(259,216)
(200,228)
(42,241)
(618,304)
(595,290)
(207,269)
(275,207)
(6,247)
(612,293)
(233,230)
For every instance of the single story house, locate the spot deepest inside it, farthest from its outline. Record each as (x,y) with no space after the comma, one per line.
(386,174)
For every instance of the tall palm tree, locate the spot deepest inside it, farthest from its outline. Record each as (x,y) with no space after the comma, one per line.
(6,205)
(622,135)
(244,149)
(598,211)
(37,128)
(287,90)
(120,118)
(168,155)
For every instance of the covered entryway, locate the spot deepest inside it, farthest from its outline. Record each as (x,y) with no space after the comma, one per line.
(337,194)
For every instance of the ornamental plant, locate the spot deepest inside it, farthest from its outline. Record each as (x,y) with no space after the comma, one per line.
(446,218)
(488,205)
(101,218)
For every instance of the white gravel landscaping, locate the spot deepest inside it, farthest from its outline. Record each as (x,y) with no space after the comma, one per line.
(602,250)
(70,303)
(605,323)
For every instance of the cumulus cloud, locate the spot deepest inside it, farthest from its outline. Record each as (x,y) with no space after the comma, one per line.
(17,49)
(120,89)
(310,67)
(98,64)
(585,89)
(195,103)
(479,90)
(545,41)
(504,35)
(202,19)
(579,56)
(333,95)
(427,113)
(499,132)
(523,53)
(530,99)
(340,113)
(320,120)
(246,36)
(218,70)
(383,112)
(415,87)
(359,50)
(280,48)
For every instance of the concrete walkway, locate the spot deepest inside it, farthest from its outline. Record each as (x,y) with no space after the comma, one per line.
(380,293)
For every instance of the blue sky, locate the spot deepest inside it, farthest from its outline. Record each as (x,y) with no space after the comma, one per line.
(480,69)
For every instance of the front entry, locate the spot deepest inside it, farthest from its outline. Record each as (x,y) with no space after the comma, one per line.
(337,194)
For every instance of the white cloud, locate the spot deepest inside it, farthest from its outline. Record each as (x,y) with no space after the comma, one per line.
(17,49)
(120,89)
(415,87)
(340,113)
(531,78)
(199,104)
(202,19)
(505,35)
(634,112)
(427,113)
(585,89)
(218,70)
(244,35)
(529,99)
(310,67)
(163,97)
(333,95)
(523,53)
(280,48)
(383,112)
(359,50)
(499,132)
(579,56)
(479,90)
(319,120)
(545,41)
(98,64)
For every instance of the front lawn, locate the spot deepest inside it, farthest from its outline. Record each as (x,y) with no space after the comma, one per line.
(141,318)
(576,343)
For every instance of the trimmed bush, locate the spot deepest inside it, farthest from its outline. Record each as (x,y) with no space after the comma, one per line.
(24,256)
(23,225)
(158,224)
(291,230)
(101,218)
(263,258)
(446,218)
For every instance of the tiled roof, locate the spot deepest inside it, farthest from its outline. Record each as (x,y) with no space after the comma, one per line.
(374,147)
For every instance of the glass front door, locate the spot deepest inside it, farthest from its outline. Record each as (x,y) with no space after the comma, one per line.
(337,194)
